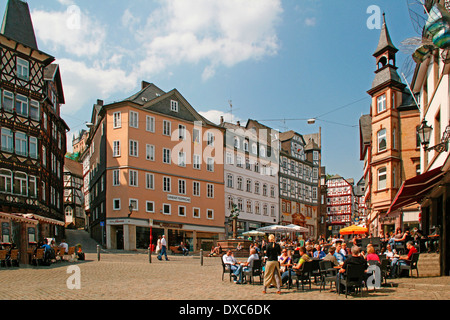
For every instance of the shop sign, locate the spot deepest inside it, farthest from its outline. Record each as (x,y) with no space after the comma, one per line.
(172,197)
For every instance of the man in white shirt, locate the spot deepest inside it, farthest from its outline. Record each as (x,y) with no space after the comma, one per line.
(64,245)
(163,248)
(228,259)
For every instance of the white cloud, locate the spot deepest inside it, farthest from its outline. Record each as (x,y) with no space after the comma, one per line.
(71,30)
(213,31)
(310,22)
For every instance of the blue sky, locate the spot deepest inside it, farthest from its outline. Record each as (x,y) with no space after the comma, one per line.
(274,59)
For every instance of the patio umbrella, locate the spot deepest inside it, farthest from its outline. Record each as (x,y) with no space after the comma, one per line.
(353,230)
(273,228)
(254,233)
(296,228)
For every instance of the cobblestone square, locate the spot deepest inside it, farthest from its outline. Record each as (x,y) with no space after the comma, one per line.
(130,276)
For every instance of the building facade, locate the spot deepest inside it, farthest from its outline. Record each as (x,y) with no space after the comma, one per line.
(340,201)
(33,134)
(73,194)
(393,155)
(299,181)
(251,177)
(155,166)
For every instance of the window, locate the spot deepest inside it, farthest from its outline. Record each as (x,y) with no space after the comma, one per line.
(133,182)
(33,147)
(197,160)
(134,204)
(7,140)
(150,124)
(381,103)
(210,191)
(182,159)
(382,178)
(382,140)
(5,181)
(21,105)
(167,128)
(44,157)
(239,183)
(236,142)
(150,181)
(166,156)
(264,190)
(196,212)
(230,179)
(196,136)
(210,139)
(117,120)
(150,152)
(181,132)
(182,211)
(210,214)
(262,151)
(150,206)
(20,183)
(249,185)
(257,208)
(182,186)
(8,101)
(116,204)
(196,189)
(167,184)
(23,69)
(134,147)
(116,149)
(116,178)
(229,158)
(21,144)
(32,187)
(34,110)
(134,119)
(249,206)
(174,106)
(257,186)
(167,209)
(210,164)
(394,138)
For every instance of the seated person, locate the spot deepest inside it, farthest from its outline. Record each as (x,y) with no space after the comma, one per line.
(246,266)
(331,257)
(304,257)
(371,255)
(354,259)
(339,256)
(319,253)
(216,251)
(229,260)
(404,260)
(183,249)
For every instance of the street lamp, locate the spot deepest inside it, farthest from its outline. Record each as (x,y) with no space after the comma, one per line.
(130,208)
(424,133)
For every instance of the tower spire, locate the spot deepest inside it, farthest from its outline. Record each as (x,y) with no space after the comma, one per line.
(385,41)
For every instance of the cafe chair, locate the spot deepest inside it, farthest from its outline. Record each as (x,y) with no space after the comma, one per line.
(354,277)
(412,265)
(14,258)
(304,274)
(327,274)
(226,269)
(255,271)
(385,269)
(3,258)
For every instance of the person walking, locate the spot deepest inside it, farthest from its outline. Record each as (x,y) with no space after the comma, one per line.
(163,248)
(272,274)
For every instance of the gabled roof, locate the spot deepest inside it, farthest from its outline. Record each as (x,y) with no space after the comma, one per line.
(17,24)
(52,73)
(73,167)
(148,92)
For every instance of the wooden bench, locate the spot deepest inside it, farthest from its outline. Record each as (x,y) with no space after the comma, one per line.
(175,250)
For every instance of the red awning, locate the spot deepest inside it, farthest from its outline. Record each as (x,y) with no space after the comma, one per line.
(415,189)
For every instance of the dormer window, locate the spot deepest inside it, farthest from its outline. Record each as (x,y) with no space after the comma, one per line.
(174,106)
(23,69)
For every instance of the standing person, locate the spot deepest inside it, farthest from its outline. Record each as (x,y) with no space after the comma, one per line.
(158,245)
(272,270)
(163,248)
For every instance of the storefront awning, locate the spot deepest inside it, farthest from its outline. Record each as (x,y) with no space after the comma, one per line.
(44,219)
(17,218)
(415,189)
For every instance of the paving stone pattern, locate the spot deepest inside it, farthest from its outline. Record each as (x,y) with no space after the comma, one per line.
(130,276)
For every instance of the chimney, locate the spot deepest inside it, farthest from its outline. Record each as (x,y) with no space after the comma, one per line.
(239,123)
(144,85)
(100,102)
(221,119)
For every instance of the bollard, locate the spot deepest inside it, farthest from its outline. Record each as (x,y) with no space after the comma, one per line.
(201,257)
(149,255)
(98,253)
